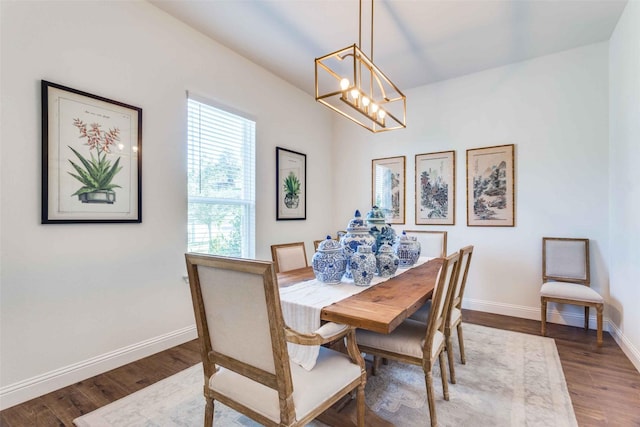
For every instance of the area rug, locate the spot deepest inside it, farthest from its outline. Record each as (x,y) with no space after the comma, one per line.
(510,379)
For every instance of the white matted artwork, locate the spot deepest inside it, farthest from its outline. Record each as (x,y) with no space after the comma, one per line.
(291,185)
(388,187)
(91,160)
(436,188)
(491,186)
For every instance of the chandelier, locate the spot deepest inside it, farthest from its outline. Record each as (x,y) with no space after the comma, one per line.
(348,82)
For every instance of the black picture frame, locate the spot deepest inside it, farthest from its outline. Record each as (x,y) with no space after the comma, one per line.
(91,158)
(291,174)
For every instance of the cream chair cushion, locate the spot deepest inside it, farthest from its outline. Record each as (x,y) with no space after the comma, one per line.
(332,371)
(291,258)
(407,339)
(572,291)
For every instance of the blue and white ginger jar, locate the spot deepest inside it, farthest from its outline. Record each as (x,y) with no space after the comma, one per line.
(363,266)
(329,262)
(357,234)
(407,249)
(386,261)
(382,231)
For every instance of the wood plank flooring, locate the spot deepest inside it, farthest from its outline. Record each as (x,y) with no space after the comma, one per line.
(604,385)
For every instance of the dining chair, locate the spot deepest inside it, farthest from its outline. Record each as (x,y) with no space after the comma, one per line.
(289,256)
(243,343)
(316,243)
(433,244)
(454,312)
(566,279)
(418,343)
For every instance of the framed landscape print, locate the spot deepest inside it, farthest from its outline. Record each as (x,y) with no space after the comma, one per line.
(436,188)
(91,160)
(491,186)
(291,184)
(388,187)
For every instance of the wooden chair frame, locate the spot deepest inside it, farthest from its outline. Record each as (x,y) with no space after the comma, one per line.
(281,381)
(599,306)
(274,253)
(446,282)
(456,302)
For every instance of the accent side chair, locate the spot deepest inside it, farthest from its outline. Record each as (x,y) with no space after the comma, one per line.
(243,344)
(566,279)
(289,256)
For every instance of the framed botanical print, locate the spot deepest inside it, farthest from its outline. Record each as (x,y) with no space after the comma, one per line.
(388,187)
(91,159)
(291,185)
(491,186)
(436,188)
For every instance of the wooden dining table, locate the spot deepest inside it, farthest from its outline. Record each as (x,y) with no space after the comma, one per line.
(380,308)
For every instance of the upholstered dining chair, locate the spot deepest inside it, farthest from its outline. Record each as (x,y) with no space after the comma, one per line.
(566,279)
(418,343)
(243,344)
(289,256)
(433,244)
(454,312)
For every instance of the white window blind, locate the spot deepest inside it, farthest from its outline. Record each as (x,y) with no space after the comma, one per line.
(221,181)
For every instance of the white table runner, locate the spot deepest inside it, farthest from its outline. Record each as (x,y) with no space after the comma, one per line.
(303,302)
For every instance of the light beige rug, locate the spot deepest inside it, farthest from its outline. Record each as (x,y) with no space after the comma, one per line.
(510,379)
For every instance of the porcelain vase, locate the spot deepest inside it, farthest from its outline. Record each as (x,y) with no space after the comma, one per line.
(407,248)
(357,234)
(329,262)
(363,265)
(386,261)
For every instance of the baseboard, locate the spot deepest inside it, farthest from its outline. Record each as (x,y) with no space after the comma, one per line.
(533,313)
(30,388)
(627,346)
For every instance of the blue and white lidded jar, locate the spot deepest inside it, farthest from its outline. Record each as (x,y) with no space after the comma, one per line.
(363,266)
(386,261)
(357,234)
(379,228)
(407,249)
(329,262)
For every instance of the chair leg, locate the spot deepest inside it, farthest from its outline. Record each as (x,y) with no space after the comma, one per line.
(208,413)
(463,358)
(543,317)
(375,365)
(586,317)
(360,406)
(428,377)
(443,374)
(452,369)
(599,309)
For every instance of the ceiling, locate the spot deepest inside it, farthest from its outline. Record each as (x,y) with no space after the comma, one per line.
(416,42)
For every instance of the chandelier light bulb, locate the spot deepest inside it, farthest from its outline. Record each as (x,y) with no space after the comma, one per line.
(344,84)
(355,93)
(381,114)
(374,107)
(365,101)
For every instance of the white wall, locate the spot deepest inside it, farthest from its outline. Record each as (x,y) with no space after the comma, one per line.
(554,109)
(624,187)
(80,299)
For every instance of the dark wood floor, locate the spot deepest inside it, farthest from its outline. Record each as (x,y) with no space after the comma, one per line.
(604,385)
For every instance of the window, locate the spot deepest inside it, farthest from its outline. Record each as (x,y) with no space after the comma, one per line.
(221,181)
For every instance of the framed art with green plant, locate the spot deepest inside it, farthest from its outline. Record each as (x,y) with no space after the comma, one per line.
(291,184)
(91,159)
